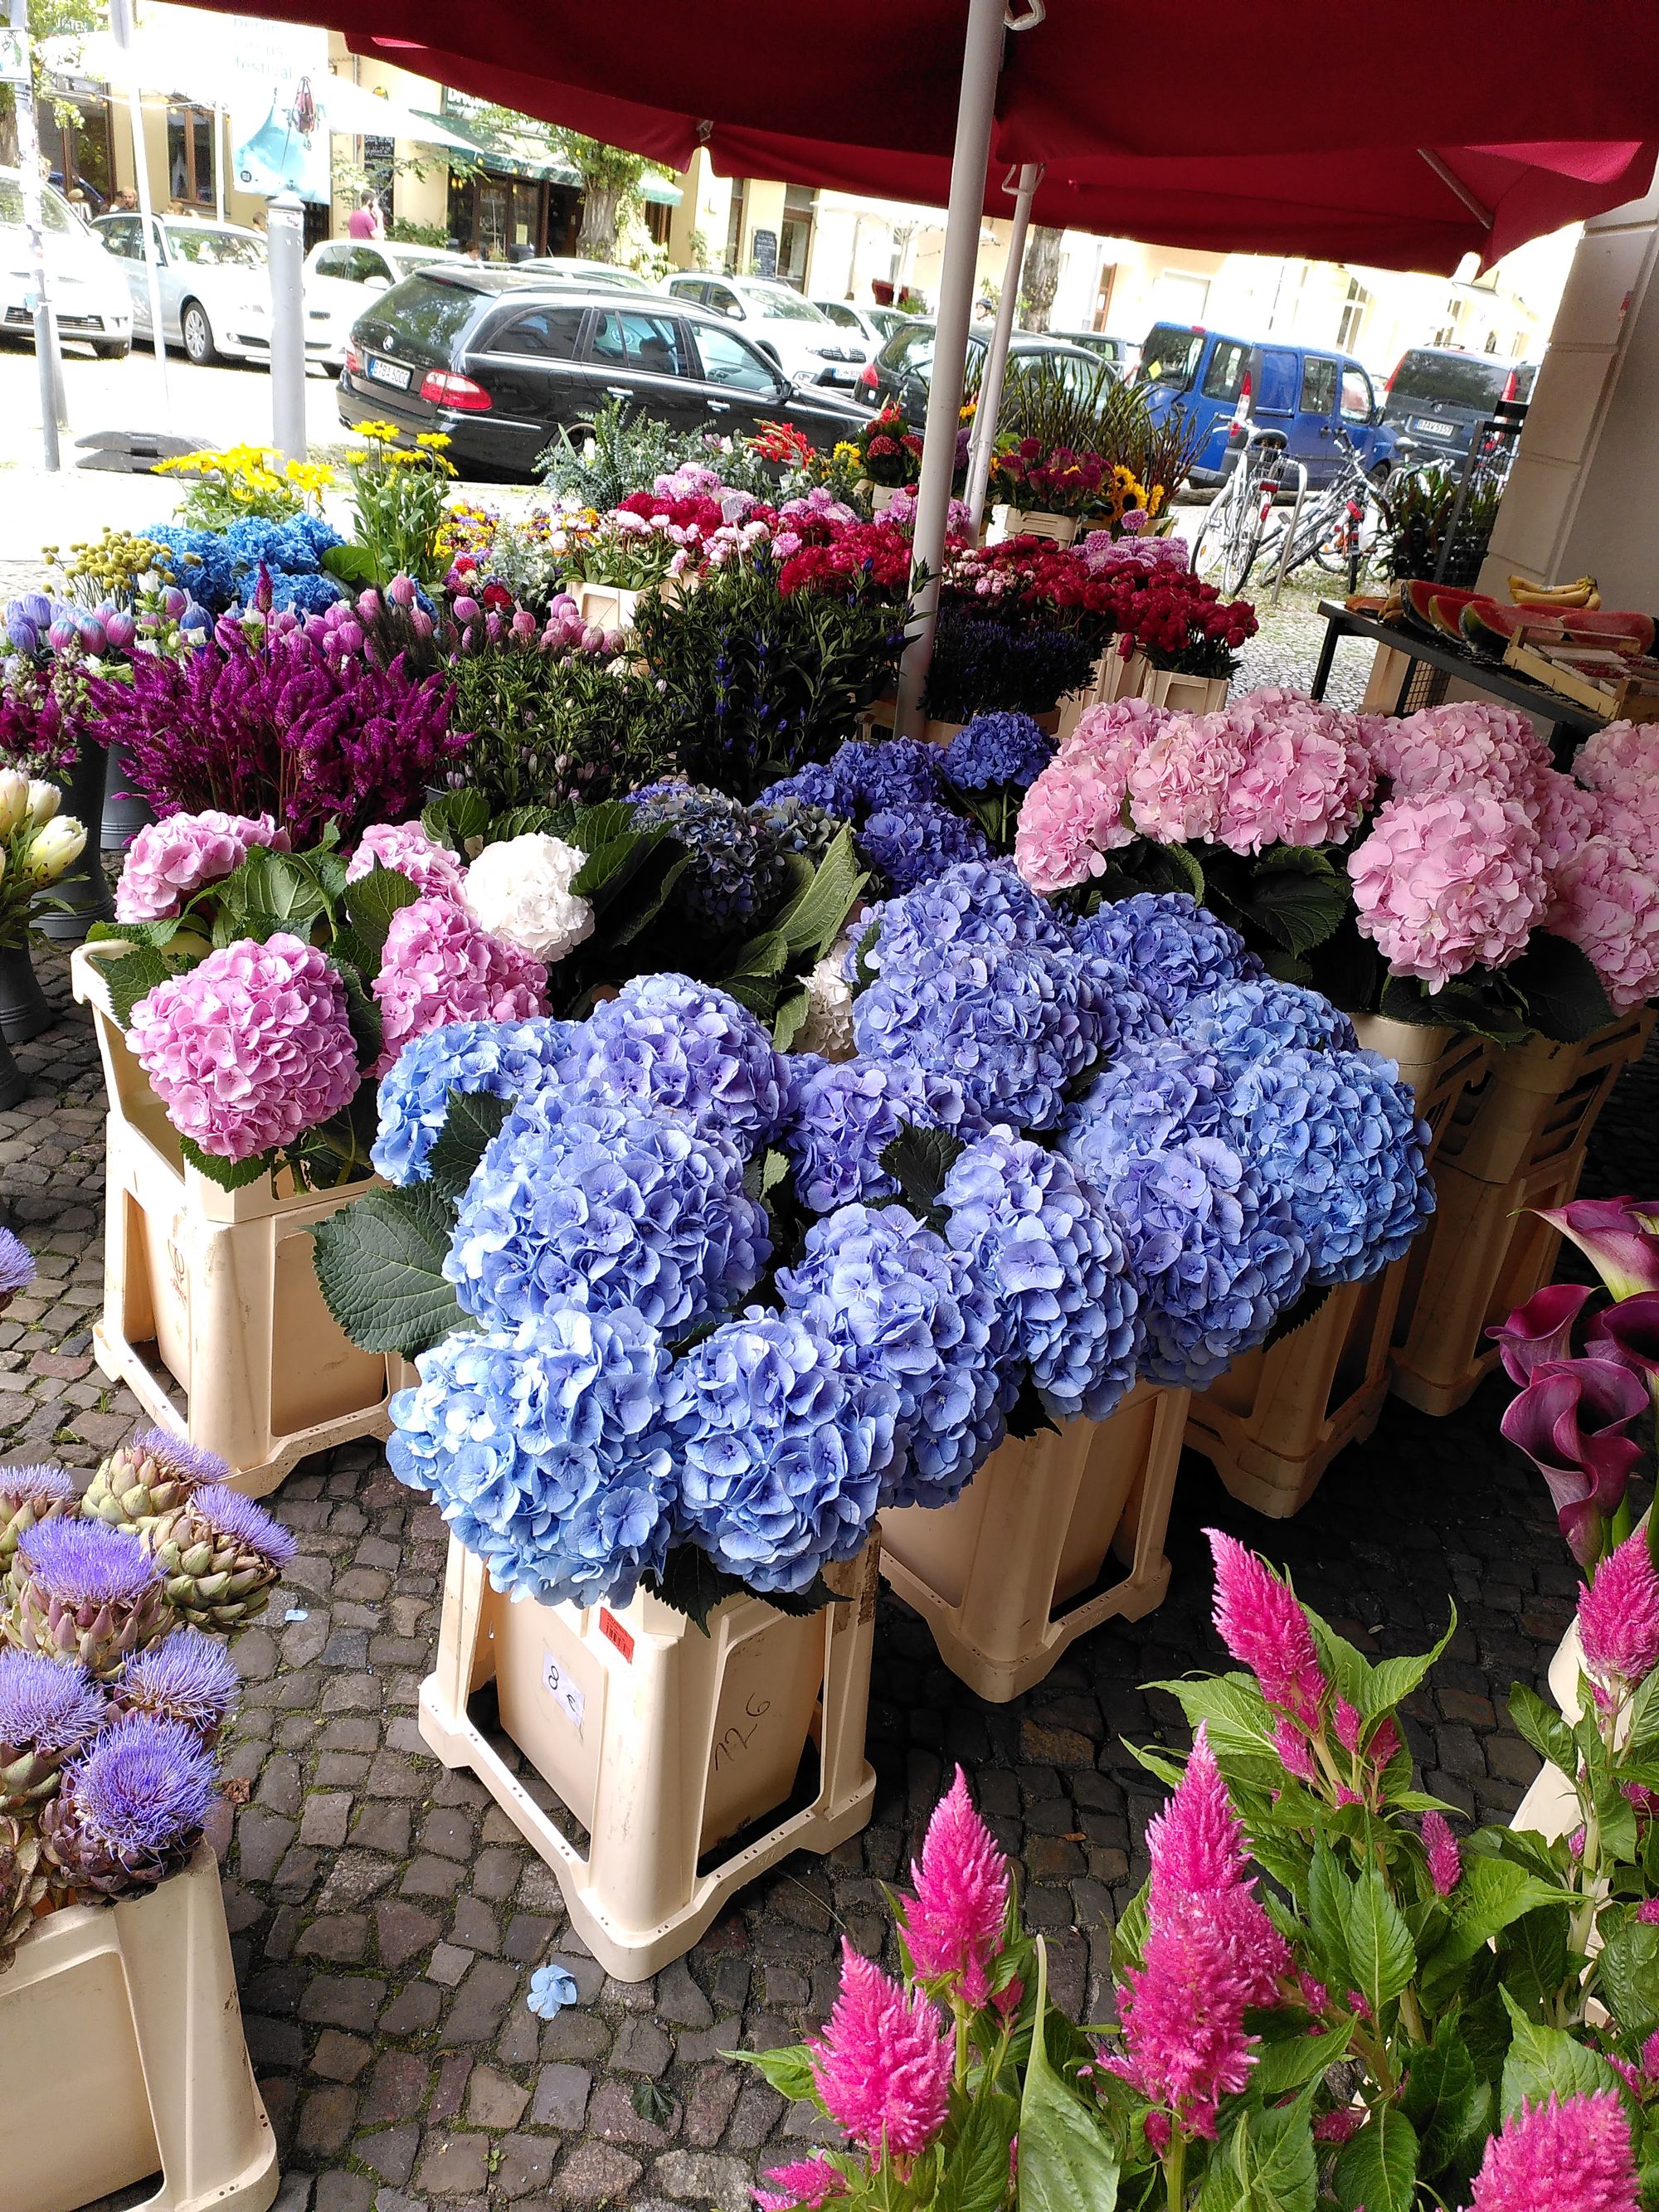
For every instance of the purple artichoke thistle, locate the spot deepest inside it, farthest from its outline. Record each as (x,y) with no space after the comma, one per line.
(129,1811)
(82,1590)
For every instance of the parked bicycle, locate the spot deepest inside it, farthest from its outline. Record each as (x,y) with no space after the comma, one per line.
(1342,527)
(1227,544)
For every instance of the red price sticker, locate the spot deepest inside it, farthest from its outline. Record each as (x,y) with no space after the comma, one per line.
(613,1632)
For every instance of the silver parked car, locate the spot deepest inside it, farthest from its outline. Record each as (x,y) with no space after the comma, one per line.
(344,275)
(215,284)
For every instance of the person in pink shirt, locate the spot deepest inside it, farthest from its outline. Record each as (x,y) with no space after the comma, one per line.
(364,221)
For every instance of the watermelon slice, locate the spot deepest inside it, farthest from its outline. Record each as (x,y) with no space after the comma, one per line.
(1604,626)
(1432,606)
(1489,624)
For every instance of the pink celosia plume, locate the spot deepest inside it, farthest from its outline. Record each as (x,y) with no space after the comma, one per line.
(883,2063)
(1618,1616)
(1568,2157)
(804,2182)
(1182,2010)
(1200,1872)
(1258,1618)
(954,1923)
(1445,1861)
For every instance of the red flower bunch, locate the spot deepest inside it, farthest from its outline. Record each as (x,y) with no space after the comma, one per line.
(889,450)
(838,553)
(1181,622)
(783,443)
(699,515)
(1054,478)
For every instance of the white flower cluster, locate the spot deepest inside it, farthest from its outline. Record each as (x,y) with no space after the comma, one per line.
(520,890)
(828,1028)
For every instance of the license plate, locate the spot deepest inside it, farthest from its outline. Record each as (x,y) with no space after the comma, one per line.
(1434,429)
(389,372)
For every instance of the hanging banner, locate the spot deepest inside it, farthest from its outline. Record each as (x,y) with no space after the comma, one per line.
(278,79)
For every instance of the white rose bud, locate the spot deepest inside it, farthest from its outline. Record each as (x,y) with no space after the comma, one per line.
(44,799)
(14,800)
(56,849)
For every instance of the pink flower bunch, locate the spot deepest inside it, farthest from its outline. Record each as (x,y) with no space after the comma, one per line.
(1440,1848)
(1210,1952)
(1619,761)
(954,1925)
(439,966)
(884,2064)
(1469,741)
(1619,1617)
(1447,881)
(168,860)
(803,2185)
(1606,902)
(405,847)
(1571,2155)
(1073,813)
(1102,552)
(1179,781)
(1307,778)
(250,1047)
(1260,1621)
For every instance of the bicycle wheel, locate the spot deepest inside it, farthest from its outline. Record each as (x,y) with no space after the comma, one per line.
(1210,544)
(1238,554)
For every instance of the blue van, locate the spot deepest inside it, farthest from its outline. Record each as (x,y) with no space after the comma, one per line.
(1225,383)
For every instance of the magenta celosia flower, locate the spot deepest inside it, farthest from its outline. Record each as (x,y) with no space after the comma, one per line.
(1199,1872)
(1445,1861)
(168,860)
(1182,2010)
(250,1048)
(1465,743)
(1606,902)
(1570,2157)
(1618,1616)
(883,2065)
(805,2183)
(405,847)
(1348,1722)
(1178,782)
(439,966)
(1447,881)
(1294,1754)
(1384,1743)
(1258,1618)
(1338,2126)
(1648,1913)
(954,1924)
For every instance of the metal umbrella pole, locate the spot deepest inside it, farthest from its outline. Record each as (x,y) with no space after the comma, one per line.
(285,228)
(28,164)
(121,22)
(982,65)
(996,358)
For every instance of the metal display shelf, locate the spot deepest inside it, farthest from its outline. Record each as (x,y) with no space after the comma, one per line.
(1571,723)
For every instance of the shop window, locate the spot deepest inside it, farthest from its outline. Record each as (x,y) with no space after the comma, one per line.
(190,156)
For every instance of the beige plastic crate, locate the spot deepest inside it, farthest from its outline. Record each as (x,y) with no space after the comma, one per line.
(121,2055)
(1116,677)
(1184,695)
(1030,522)
(1008,1577)
(1275,1421)
(1539,1101)
(1550,1808)
(211,1295)
(661,1742)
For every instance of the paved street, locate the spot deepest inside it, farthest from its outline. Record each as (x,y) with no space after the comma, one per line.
(386,1917)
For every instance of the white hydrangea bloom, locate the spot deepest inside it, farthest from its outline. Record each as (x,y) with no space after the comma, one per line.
(520,890)
(828,1028)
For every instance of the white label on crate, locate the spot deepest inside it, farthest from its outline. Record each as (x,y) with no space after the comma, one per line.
(563,1691)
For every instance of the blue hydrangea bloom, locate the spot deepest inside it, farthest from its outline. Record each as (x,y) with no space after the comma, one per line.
(667,1041)
(782,1449)
(582,1200)
(737,868)
(1057,1263)
(201,566)
(866,777)
(294,548)
(545,1451)
(795,827)
(1216,1255)
(507,1059)
(1158,1091)
(1015,1026)
(911,844)
(996,749)
(1172,946)
(843,1114)
(973,902)
(302,595)
(1238,1023)
(814,784)
(902,1305)
(1339,1136)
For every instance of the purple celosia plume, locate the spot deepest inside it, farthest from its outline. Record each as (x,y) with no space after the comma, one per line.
(883,2063)
(1618,1616)
(954,1924)
(1258,1618)
(280,726)
(1571,1420)
(1445,1860)
(1571,2156)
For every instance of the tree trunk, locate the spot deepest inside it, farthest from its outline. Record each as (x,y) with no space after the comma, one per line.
(601,206)
(8,128)
(1039,279)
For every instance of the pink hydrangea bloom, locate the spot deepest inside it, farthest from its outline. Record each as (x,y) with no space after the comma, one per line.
(1633,820)
(1198,1871)
(1620,761)
(1606,902)
(1447,881)
(1469,741)
(1307,777)
(250,1047)
(405,847)
(1562,813)
(883,2063)
(439,966)
(1073,813)
(1445,1860)
(168,860)
(1572,2157)
(1619,1615)
(954,1924)
(806,2182)
(1259,1620)
(1179,781)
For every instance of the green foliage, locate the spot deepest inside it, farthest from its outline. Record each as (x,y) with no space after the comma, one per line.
(1419,508)
(547,729)
(619,452)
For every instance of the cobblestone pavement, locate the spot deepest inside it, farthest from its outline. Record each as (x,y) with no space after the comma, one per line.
(386,1917)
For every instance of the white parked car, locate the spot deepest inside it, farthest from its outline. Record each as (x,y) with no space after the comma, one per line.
(214,282)
(801,338)
(344,275)
(86,292)
(870,327)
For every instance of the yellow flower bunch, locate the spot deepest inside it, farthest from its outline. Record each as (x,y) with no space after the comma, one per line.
(845,452)
(110,565)
(466,529)
(244,479)
(380,432)
(435,440)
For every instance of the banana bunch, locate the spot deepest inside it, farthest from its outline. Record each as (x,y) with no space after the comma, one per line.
(1582,593)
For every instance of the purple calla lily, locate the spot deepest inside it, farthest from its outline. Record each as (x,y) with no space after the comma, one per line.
(1629,1332)
(1570,1421)
(1540,1333)
(1618,1234)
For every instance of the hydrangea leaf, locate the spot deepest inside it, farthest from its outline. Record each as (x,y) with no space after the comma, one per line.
(1297,1314)
(380,1264)
(456,818)
(229,1175)
(156,933)
(525,822)
(371,902)
(1296,897)
(1565,998)
(791,1017)
(812,919)
(474,1117)
(135,976)
(350,564)
(361,1012)
(268,893)
(692,1584)
(919,1161)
